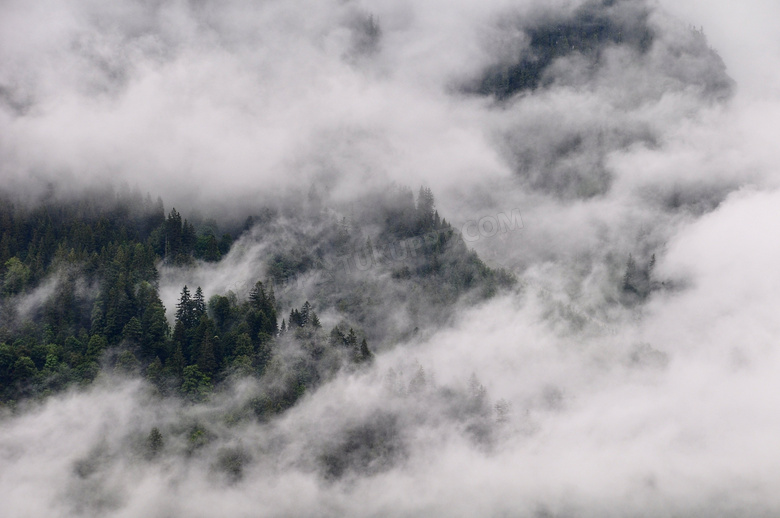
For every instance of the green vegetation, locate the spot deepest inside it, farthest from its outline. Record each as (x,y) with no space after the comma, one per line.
(79,295)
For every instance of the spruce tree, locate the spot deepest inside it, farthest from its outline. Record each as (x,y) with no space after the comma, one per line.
(198,304)
(184,313)
(364,354)
(257,296)
(315,321)
(207,363)
(305,310)
(630,276)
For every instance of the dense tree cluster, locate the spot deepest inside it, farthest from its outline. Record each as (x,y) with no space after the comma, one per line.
(90,272)
(89,269)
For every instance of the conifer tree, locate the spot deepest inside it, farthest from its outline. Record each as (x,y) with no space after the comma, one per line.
(630,276)
(305,310)
(133,331)
(184,312)
(198,304)
(351,339)
(207,363)
(315,321)
(257,296)
(364,354)
(176,362)
(337,337)
(271,296)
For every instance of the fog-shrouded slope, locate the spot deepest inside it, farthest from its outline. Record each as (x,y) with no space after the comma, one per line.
(85,288)
(581,323)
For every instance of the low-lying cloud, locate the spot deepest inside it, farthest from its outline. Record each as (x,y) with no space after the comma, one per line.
(559,397)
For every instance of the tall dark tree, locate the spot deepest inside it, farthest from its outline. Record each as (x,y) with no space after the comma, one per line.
(173,236)
(207,362)
(198,304)
(305,313)
(185,312)
(364,354)
(315,321)
(154,325)
(426,213)
(257,296)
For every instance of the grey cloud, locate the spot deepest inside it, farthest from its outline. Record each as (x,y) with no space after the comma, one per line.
(640,145)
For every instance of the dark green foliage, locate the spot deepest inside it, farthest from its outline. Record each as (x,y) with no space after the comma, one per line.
(154,324)
(97,344)
(207,362)
(207,247)
(23,369)
(127,363)
(185,310)
(132,331)
(17,274)
(220,309)
(119,321)
(109,243)
(195,384)
(178,239)
(261,317)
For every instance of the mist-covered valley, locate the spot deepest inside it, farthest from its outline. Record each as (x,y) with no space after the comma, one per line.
(371,258)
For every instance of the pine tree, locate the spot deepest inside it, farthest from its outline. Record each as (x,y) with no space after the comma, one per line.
(173,236)
(198,304)
(630,276)
(154,371)
(133,331)
(176,362)
(207,363)
(188,240)
(184,312)
(425,209)
(243,346)
(364,354)
(154,324)
(221,309)
(305,310)
(257,296)
(351,339)
(195,384)
(97,344)
(295,319)
(315,321)
(337,337)
(271,297)
(180,338)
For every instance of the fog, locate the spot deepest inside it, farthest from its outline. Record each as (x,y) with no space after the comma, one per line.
(558,397)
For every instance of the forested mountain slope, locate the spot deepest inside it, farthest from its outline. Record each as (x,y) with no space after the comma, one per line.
(80,293)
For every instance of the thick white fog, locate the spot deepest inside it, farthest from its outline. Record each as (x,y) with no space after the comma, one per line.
(589,407)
